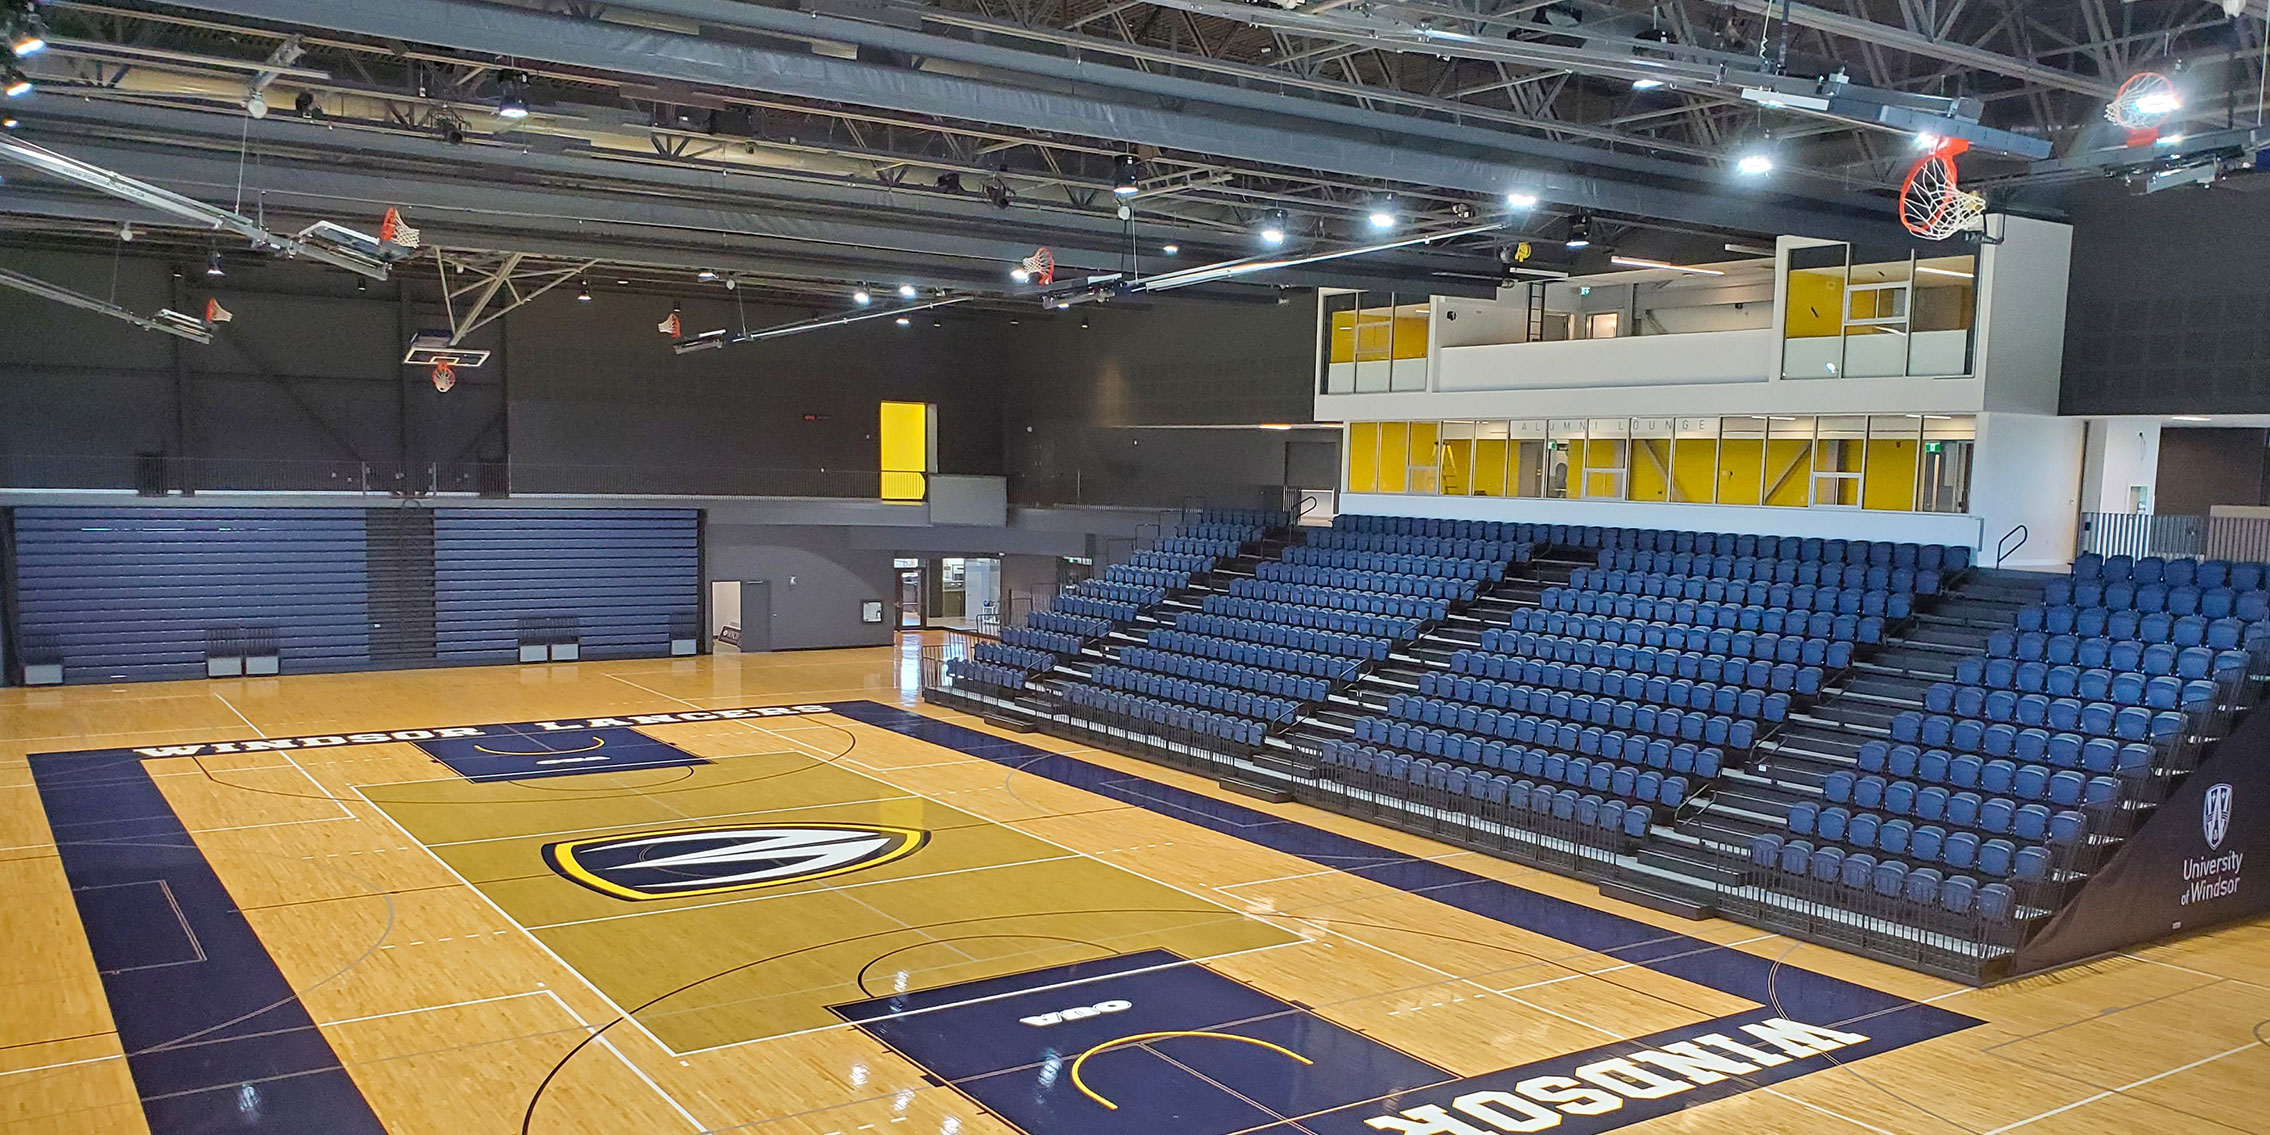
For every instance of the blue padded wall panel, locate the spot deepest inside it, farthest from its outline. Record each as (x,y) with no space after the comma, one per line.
(625,576)
(130,593)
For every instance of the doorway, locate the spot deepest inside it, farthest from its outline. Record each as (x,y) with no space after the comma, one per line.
(740,616)
(910,594)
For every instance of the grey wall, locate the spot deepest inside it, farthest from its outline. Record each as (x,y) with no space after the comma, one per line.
(2169,309)
(818,581)
(583,397)
(1167,362)
(2204,467)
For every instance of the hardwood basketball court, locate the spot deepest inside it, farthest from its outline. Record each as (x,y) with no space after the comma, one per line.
(389,940)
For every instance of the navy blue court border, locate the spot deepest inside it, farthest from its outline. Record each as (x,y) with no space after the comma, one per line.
(216,1039)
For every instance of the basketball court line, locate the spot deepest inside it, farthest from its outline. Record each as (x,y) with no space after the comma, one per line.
(1395,870)
(2110,1092)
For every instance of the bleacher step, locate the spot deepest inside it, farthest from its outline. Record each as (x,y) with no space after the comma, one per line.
(1658,901)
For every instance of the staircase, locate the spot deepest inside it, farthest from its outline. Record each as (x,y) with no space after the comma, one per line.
(1708,847)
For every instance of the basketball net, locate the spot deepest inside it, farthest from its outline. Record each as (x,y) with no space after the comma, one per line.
(1931,206)
(445,376)
(670,325)
(2142,103)
(1040,266)
(391,230)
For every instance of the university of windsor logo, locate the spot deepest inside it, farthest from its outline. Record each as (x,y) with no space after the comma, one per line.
(2215,816)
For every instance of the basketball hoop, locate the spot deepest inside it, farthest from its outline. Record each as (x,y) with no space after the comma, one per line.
(1930,204)
(445,376)
(1040,267)
(2145,101)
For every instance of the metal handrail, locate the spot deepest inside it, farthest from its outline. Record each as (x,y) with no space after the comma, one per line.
(2003,548)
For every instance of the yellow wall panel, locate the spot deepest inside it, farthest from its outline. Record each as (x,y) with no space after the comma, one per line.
(902,437)
(1816,304)
(1788,469)
(1489,468)
(1363,457)
(1651,469)
(1740,463)
(1694,471)
(1891,475)
(1394,456)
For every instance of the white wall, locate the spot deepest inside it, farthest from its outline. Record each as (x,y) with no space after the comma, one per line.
(1639,360)
(1920,528)
(2021,312)
(2028,472)
(2122,455)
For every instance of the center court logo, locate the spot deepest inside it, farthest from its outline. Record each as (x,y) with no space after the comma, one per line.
(716,860)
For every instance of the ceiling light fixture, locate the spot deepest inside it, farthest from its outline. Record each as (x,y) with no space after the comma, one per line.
(29,36)
(1021,274)
(213,264)
(1946,272)
(1635,262)
(2189,418)
(583,291)
(1756,163)
(19,84)
(1170,249)
(1272,228)
(903,321)
(706,275)
(1520,200)
(512,94)
(1382,215)
(1580,231)
(1647,84)
(906,291)
(862,298)
(1123,181)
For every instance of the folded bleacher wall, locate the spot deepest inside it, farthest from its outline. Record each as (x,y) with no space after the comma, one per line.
(2184,870)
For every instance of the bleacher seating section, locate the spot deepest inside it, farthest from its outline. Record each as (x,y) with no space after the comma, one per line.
(1599,712)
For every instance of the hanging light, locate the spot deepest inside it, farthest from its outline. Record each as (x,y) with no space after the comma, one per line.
(1383,214)
(1021,274)
(862,298)
(1516,199)
(906,291)
(583,291)
(29,36)
(1272,228)
(1123,181)
(1756,163)
(512,94)
(1170,249)
(706,275)
(903,321)
(1580,231)
(19,84)
(213,264)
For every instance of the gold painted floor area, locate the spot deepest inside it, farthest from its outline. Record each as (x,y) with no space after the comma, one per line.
(450,1003)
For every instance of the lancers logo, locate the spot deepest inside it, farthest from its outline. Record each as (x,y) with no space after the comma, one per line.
(2215,816)
(710,861)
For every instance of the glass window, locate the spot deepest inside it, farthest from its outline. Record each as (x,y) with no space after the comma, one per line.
(1565,453)
(1456,462)
(1940,315)
(1894,445)
(1875,320)
(1741,460)
(1789,461)
(1948,440)
(1651,471)
(1606,458)
(1363,457)
(1813,312)
(1395,456)
(1492,459)
(1694,461)
(1840,448)
(1425,451)
(1531,457)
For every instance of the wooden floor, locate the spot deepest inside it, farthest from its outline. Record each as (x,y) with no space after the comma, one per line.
(460,986)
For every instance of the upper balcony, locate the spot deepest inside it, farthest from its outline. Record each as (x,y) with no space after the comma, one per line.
(1818,327)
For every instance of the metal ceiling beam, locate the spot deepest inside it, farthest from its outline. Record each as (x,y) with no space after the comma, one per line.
(1268,138)
(178,324)
(157,199)
(1916,43)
